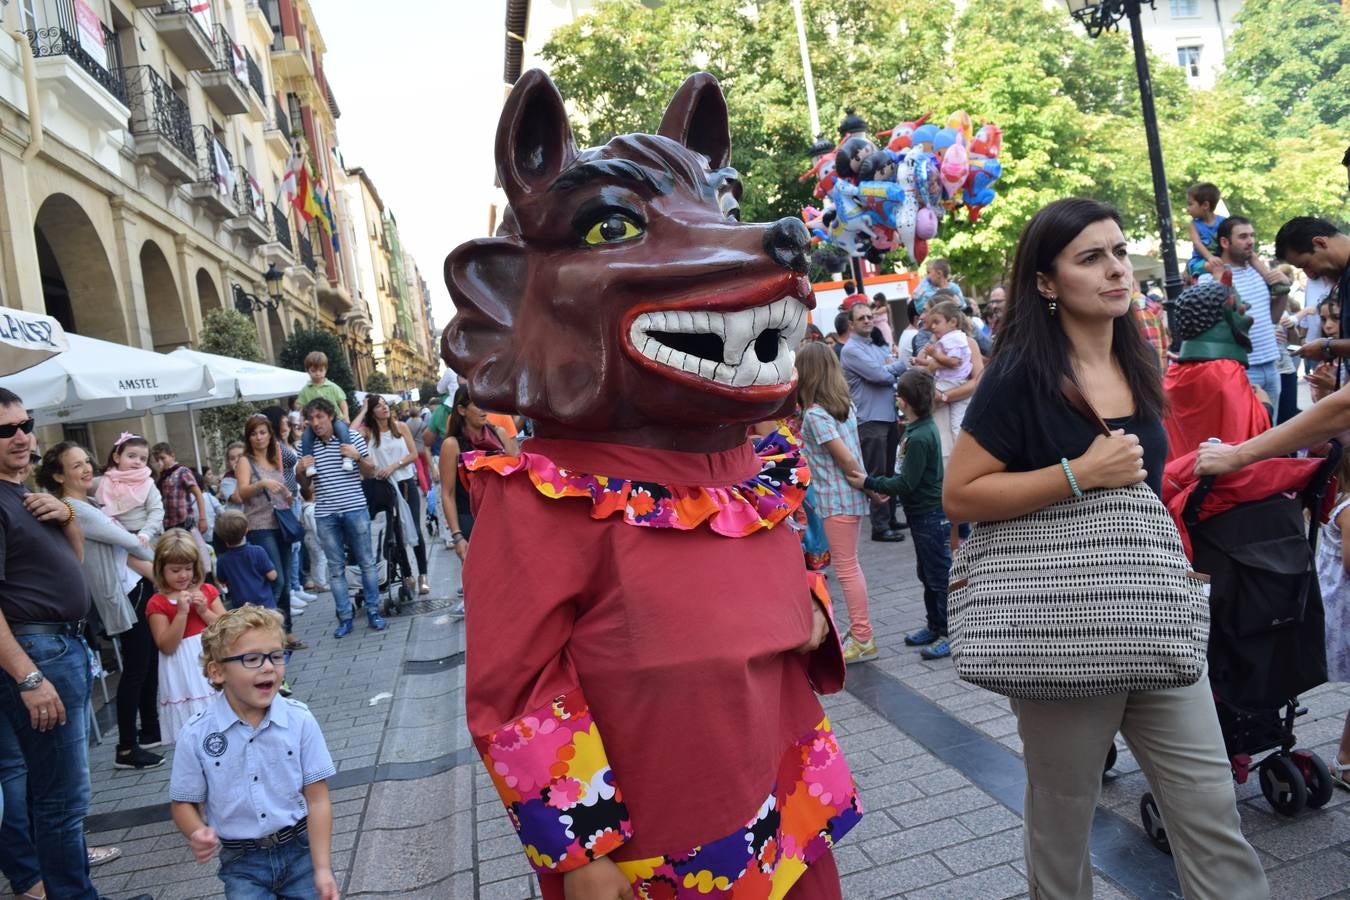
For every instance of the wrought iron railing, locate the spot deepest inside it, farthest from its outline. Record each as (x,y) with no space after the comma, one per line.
(156,109)
(213,170)
(225,55)
(306,251)
(248,199)
(282,226)
(255,78)
(279,120)
(58,37)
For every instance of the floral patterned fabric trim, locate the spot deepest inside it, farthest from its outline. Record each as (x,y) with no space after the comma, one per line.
(550,769)
(735,511)
(813,804)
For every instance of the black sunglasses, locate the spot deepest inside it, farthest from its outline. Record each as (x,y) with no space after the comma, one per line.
(8,431)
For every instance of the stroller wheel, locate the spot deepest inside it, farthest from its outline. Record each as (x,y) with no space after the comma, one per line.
(1316,776)
(1283,784)
(1153,823)
(405,597)
(1110,759)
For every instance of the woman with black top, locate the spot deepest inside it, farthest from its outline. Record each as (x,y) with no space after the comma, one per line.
(1069,313)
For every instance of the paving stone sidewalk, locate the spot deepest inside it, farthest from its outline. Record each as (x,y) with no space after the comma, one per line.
(415,815)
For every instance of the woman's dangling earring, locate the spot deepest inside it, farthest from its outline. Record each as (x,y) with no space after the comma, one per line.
(1051,305)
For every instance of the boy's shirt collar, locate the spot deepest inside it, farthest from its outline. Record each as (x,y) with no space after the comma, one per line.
(225,716)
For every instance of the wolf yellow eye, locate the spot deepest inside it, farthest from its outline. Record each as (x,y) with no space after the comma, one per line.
(612,229)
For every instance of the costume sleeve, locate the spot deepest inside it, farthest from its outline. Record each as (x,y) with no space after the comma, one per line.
(527,711)
(825,666)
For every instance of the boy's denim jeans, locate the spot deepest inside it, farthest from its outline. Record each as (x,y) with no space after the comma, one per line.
(45,776)
(933,560)
(344,436)
(284,871)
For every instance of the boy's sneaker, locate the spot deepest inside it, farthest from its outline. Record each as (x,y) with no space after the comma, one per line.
(149,738)
(136,758)
(376,622)
(859,651)
(457,610)
(304,596)
(344,628)
(297,602)
(939,650)
(921,637)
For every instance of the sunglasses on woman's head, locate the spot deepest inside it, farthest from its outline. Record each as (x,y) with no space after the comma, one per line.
(8,431)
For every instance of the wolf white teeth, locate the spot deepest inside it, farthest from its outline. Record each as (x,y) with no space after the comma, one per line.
(740,365)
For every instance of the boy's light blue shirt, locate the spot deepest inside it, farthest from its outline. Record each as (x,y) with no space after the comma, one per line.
(250,782)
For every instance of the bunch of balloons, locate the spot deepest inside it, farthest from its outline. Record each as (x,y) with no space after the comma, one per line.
(876,198)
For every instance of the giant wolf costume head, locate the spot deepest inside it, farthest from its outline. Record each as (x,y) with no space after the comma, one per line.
(622,290)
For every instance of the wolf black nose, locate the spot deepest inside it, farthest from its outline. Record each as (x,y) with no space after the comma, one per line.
(786,242)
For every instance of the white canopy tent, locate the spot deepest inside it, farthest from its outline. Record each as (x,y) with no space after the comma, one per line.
(97,380)
(27,339)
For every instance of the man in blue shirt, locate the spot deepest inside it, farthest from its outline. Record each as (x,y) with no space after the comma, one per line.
(871,382)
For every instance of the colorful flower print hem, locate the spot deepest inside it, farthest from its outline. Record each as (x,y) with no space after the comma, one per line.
(550,769)
(813,805)
(735,511)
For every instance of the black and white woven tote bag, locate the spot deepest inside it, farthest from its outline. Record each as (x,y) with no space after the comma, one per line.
(1089,596)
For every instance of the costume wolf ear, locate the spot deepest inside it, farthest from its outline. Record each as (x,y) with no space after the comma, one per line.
(534,140)
(697,118)
(486,278)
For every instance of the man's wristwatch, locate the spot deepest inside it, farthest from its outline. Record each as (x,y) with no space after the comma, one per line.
(32,682)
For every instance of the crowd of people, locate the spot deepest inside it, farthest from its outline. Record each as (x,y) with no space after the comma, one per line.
(196,578)
(954,418)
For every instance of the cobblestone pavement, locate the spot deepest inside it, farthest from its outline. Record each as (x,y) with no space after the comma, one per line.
(937,761)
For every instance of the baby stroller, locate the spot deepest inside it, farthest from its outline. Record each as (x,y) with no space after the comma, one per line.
(1266,629)
(390,549)
(433,516)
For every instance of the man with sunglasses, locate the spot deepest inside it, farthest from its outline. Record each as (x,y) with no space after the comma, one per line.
(871,377)
(44,691)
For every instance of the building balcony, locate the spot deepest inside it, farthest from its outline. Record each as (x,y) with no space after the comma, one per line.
(185,33)
(258,105)
(161,127)
(252,221)
(306,272)
(226,81)
(78,70)
(278,130)
(280,248)
(290,61)
(214,188)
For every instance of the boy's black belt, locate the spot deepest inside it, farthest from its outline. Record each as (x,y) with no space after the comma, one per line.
(69,629)
(284,836)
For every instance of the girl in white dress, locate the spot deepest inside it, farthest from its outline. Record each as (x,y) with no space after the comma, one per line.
(1333,573)
(178,614)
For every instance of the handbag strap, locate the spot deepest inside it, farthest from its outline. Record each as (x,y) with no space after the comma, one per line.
(1078,401)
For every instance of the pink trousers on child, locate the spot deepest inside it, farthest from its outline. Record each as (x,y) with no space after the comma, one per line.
(842,533)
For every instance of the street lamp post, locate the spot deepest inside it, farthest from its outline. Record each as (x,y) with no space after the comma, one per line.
(1098,16)
(248,303)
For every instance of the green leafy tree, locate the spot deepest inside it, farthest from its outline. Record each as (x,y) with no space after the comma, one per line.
(379,383)
(303,341)
(426,391)
(227,332)
(1291,60)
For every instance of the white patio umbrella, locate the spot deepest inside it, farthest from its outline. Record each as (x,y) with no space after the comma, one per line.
(97,380)
(27,339)
(236,380)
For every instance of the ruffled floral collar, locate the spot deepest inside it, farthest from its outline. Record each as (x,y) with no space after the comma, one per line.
(733,511)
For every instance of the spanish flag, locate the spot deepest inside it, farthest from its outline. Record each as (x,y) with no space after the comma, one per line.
(314,208)
(302,193)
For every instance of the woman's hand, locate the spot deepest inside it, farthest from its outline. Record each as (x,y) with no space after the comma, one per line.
(1110,462)
(461,547)
(1323,380)
(597,880)
(1219,459)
